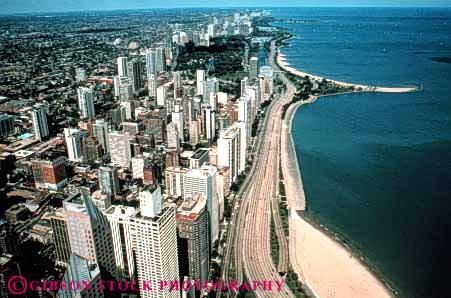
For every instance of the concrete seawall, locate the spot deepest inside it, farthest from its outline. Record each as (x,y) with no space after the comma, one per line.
(294,189)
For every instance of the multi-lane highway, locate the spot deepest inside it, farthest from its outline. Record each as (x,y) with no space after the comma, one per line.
(248,249)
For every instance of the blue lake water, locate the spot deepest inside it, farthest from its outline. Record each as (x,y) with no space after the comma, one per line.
(377,167)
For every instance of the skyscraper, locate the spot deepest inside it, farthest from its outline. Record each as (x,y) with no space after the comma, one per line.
(211,85)
(76,144)
(173,136)
(39,118)
(152,85)
(89,232)
(253,68)
(108,180)
(151,57)
(100,132)
(177,119)
(6,125)
(192,226)
(244,85)
(194,132)
(122,66)
(82,271)
(173,177)
(244,115)
(120,220)
(253,92)
(200,76)
(199,158)
(208,122)
(154,241)
(134,71)
(229,145)
(161,96)
(120,150)
(177,79)
(160,60)
(125,89)
(211,30)
(243,145)
(155,60)
(202,181)
(86,102)
(60,237)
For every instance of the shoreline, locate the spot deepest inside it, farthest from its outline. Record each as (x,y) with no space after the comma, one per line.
(283,64)
(324,248)
(357,279)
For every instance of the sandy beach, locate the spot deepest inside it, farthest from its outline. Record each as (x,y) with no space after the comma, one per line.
(281,60)
(327,267)
(323,264)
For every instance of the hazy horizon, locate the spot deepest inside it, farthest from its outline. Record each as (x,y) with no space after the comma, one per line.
(38,6)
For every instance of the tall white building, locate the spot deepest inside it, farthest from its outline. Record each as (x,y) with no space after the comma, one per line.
(244,84)
(211,30)
(145,244)
(173,140)
(208,122)
(152,85)
(162,94)
(40,125)
(244,115)
(267,72)
(154,242)
(229,151)
(177,119)
(100,132)
(155,60)
(138,164)
(253,68)
(122,66)
(243,145)
(120,150)
(116,83)
(161,59)
(221,98)
(76,144)
(194,132)
(200,76)
(120,219)
(86,102)
(253,92)
(202,181)
(150,202)
(173,177)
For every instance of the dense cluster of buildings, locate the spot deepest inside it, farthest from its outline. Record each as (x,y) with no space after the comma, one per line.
(143,162)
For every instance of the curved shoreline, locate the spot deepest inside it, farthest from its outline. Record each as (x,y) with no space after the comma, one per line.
(317,255)
(313,249)
(283,64)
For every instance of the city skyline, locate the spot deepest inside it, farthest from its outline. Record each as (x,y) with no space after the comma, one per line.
(23,6)
(159,149)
